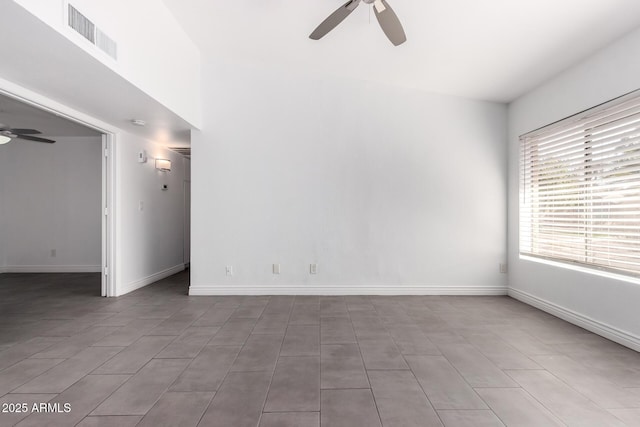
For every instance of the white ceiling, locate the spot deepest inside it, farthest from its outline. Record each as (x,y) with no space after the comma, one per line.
(492,49)
(17,114)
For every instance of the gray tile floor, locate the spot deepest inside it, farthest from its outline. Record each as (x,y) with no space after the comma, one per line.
(158,357)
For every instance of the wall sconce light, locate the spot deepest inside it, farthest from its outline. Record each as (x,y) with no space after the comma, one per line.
(4,139)
(163,165)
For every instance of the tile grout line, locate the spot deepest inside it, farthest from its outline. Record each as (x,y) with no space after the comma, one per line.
(266,396)
(420,385)
(366,371)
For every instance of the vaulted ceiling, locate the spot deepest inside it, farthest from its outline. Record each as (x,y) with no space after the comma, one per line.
(492,49)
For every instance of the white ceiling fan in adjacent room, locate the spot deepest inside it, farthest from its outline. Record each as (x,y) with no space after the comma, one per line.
(387,19)
(7,134)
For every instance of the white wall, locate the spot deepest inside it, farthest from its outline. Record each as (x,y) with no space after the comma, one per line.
(605,305)
(154,52)
(389,190)
(150,241)
(51,200)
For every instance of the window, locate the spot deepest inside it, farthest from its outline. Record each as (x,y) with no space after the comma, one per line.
(580,188)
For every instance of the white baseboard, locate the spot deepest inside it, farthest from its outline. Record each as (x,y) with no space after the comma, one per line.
(614,334)
(51,269)
(132,286)
(271,289)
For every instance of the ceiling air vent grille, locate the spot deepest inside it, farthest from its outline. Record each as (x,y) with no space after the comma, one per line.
(106,43)
(89,31)
(82,25)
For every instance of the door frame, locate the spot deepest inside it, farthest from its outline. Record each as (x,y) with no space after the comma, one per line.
(186,223)
(108,182)
(108,216)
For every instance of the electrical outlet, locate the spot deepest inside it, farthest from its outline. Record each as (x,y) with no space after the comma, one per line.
(276,268)
(53,253)
(503,268)
(229,270)
(313,268)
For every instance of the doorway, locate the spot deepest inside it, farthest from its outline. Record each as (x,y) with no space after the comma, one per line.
(57,193)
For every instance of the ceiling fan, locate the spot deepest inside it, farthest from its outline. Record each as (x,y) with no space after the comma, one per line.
(7,134)
(387,19)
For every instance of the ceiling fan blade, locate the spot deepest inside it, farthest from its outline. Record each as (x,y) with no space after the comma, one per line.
(34,138)
(334,19)
(25,131)
(390,23)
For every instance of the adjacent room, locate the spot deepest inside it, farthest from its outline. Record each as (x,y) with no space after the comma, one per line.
(51,192)
(319,213)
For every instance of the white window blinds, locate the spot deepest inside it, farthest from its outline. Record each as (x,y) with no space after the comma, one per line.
(580,188)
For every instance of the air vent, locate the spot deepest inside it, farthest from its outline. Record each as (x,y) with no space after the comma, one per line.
(107,44)
(185,151)
(82,25)
(89,31)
